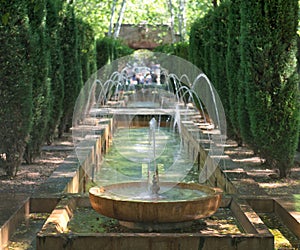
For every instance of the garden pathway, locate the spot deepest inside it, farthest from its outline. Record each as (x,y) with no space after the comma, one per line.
(16,191)
(251,177)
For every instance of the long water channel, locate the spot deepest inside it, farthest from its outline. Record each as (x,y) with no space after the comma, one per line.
(131,158)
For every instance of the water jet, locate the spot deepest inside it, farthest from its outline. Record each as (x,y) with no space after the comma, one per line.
(131,197)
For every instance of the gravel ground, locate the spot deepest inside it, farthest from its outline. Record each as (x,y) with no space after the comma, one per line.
(30,176)
(266,177)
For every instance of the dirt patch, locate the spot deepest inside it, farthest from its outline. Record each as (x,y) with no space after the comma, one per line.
(30,176)
(264,176)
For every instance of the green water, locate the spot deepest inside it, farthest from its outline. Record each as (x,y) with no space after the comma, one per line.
(131,157)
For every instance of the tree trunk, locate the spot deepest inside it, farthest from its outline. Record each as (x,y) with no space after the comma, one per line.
(170,5)
(113,8)
(119,23)
(181,19)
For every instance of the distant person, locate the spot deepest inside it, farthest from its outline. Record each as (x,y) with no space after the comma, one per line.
(153,77)
(148,78)
(162,78)
(135,80)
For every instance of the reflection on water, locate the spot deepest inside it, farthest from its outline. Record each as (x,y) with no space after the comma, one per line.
(130,158)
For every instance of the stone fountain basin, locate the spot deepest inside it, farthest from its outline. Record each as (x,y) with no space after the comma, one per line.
(155,210)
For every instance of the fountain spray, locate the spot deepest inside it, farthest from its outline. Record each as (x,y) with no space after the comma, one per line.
(155,181)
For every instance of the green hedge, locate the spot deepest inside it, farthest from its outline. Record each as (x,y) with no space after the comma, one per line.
(109,49)
(72,67)
(248,50)
(208,49)
(196,55)
(15,84)
(180,49)
(56,68)
(271,78)
(217,39)
(46,54)
(39,56)
(233,70)
(87,49)
(298,68)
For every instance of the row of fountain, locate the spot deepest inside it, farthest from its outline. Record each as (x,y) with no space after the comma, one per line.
(157,199)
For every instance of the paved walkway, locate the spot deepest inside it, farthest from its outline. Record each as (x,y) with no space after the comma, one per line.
(13,200)
(246,174)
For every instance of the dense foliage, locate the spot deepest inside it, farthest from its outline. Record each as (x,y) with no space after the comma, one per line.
(39,57)
(46,52)
(268,61)
(208,49)
(87,49)
(298,69)
(56,67)
(154,12)
(15,84)
(109,49)
(180,49)
(233,61)
(72,67)
(248,50)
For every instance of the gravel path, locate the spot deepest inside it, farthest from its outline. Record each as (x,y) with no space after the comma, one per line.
(29,177)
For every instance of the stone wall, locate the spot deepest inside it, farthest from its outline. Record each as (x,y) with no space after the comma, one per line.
(144,36)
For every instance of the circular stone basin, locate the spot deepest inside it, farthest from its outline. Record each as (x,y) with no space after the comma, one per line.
(175,202)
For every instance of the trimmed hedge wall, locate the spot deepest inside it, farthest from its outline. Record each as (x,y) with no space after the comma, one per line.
(40,59)
(56,68)
(45,55)
(72,77)
(87,49)
(15,84)
(268,60)
(248,50)
(233,61)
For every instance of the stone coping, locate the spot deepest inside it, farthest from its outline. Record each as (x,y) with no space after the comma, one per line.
(284,208)
(20,213)
(53,236)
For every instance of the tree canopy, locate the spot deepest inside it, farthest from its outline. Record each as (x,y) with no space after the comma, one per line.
(153,12)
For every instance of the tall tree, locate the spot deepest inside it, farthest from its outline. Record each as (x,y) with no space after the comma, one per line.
(233,69)
(39,57)
(270,78)
(56,68)
(154,12)
(218,49)
(87,49)
(72,74)
(15,84)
